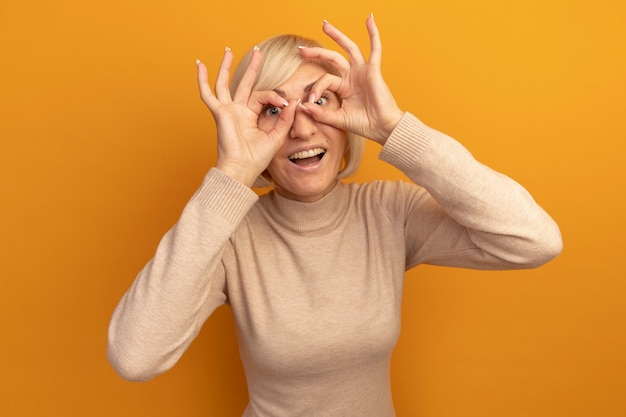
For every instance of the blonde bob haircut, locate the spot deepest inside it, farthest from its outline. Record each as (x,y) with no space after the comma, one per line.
(281,58)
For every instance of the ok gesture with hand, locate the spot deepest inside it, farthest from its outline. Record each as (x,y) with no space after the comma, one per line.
(244,151)
(368,108)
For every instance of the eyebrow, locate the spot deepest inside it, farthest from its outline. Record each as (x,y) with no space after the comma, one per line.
(307,89)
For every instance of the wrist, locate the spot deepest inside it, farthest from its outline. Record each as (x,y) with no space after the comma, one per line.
(387,128)
(238,172)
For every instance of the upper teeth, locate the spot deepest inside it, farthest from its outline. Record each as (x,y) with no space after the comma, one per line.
(306,154)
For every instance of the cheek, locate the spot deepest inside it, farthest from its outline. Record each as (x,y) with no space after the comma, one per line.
(273,169)
(342,148)
(338,139)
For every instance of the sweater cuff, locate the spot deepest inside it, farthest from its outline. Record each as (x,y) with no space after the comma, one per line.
(407,142)
(224,196)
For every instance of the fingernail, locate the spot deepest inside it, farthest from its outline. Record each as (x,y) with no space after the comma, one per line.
(300,105)
(256,48)
(372,15)
(197,62)
(324,21)
(285,102)
(301,46)
(226,49)
(312,98)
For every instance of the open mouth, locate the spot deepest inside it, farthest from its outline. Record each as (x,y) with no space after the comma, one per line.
(308,157)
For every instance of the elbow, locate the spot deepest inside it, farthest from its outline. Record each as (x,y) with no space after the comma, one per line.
(530,250)
(548,252)
(544,247)
(127,367)
(556,246)
(129,372)
(131,360)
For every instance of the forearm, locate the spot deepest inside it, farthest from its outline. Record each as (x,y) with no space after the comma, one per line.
(172,296)
(500,215)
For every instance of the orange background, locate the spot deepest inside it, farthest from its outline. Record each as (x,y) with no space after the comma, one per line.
(104,139)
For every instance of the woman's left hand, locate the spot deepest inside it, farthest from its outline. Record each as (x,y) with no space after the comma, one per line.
(367,107)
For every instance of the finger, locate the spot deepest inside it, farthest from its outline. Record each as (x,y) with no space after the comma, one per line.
(242,94)
(347,44)
(260,99)
(203,85)
(334,58)
(376,47)
(329,112)
(281,129)
(332,117)
(328,82)
(223,76)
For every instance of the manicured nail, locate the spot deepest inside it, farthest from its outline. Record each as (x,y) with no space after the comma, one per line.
(256,48)
(226,49)
(285,102)
(324,21)
(301,46)
(197,62)
(372,15)
(312,98)
(300,105)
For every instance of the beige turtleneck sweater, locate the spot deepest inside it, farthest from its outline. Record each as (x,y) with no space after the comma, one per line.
(316,288)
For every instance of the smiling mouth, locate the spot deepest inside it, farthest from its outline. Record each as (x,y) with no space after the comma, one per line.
(308,157)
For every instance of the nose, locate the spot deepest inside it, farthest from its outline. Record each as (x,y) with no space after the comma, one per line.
(303,126)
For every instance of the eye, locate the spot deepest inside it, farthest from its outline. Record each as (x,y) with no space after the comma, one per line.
(271,111)
(321,101)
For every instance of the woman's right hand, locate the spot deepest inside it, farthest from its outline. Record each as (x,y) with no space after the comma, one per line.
(244,151)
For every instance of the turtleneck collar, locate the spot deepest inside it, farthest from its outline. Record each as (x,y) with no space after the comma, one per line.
(315,217)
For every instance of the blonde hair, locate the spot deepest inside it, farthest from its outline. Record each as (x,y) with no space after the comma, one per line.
(281,58)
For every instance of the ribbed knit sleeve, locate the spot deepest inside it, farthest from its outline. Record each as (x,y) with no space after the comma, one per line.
(479,218)
(224,196)
(407,143)
(164,309)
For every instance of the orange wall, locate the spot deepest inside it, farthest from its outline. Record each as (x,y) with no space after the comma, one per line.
(104,139)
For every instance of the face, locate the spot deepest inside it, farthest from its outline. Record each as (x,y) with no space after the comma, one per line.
(306,167)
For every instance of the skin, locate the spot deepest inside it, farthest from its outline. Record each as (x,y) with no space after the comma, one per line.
(311,181)
(250,141)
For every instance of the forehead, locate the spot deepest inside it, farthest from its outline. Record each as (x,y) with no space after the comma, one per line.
(302,79)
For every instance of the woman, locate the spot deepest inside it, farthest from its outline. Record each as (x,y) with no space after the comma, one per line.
(313,271)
